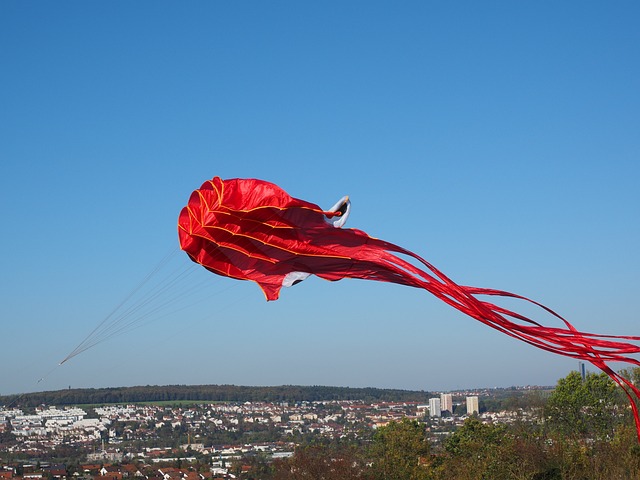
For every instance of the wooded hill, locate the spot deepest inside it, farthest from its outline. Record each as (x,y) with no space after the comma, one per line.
(210,393)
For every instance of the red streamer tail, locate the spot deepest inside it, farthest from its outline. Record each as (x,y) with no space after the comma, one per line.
(600,350)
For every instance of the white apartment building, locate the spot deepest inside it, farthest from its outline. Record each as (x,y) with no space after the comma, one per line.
(446,402)
(472,405)
(434,407)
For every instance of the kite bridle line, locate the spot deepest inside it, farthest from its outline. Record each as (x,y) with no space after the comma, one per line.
(168,296)
(118,322)
(86,343)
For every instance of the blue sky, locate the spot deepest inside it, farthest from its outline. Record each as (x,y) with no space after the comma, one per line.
(499,140)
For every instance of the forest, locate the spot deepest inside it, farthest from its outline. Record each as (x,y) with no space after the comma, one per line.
(209,393)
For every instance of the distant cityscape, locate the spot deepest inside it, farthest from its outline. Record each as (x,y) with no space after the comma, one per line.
(219,433)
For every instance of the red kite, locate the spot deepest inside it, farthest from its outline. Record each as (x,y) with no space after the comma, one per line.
(250,229)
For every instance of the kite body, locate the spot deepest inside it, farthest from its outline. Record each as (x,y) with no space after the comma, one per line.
(250,229)
(253,230)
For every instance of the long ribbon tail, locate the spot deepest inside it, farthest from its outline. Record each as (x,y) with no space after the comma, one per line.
(598,349)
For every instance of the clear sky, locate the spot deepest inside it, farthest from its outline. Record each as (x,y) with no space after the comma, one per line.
(499,140)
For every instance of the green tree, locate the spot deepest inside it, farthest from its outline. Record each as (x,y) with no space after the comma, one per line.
(478,451)
(583,408)
(473,433)
(632,374)
(400,451)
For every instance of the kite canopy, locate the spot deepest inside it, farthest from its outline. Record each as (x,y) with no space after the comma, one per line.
(253,230)
(250,229)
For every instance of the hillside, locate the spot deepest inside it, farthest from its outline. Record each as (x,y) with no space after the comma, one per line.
(209,393)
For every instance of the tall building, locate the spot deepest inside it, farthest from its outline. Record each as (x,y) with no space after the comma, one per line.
(446,402)
(472,405)
(434,407)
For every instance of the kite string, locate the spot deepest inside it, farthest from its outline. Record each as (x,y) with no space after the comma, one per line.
(122,318)
(182,295)
(105,324)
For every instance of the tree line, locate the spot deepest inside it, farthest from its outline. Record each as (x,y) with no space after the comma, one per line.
(210,393)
